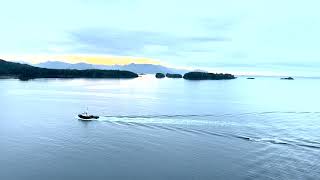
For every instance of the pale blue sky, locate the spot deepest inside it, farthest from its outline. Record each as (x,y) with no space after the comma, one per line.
(237,35)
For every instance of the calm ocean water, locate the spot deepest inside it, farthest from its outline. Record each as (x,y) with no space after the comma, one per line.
(160,129)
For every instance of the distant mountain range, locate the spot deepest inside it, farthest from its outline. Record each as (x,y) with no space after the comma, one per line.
(137,68)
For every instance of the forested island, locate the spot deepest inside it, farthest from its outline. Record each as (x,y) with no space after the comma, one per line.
(160,75)
(27,72)
(287,78)
(207,76)
(168,75)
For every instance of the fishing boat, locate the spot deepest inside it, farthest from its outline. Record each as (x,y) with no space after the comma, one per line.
(85,116)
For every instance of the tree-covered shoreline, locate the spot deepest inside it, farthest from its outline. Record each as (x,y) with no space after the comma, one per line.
(27,72)
(207,76)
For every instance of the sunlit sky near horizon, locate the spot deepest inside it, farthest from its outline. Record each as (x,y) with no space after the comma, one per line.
(253,36)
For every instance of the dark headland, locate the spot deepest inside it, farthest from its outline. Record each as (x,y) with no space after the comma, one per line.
(27,72)
(207,76)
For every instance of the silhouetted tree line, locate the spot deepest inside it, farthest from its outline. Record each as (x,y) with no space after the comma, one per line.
(26,72)
(160,75)
(168,75)
(207,76)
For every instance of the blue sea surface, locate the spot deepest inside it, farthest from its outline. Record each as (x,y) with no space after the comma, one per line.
(159,129)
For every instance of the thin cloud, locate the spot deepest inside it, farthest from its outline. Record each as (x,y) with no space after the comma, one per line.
(126,42)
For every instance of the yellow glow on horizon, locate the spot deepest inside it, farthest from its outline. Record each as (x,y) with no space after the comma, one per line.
(90,59)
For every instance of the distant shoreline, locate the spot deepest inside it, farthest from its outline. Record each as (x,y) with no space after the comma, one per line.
(26,72)
(11,70)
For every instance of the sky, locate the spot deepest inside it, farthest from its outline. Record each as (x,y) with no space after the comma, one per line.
(248,36)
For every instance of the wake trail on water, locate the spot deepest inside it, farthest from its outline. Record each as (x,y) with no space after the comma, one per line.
(167,122)
(286,142)
(304,143)
(171,122)
(164,116)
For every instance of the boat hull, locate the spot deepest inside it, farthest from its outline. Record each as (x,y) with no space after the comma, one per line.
(87,118)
